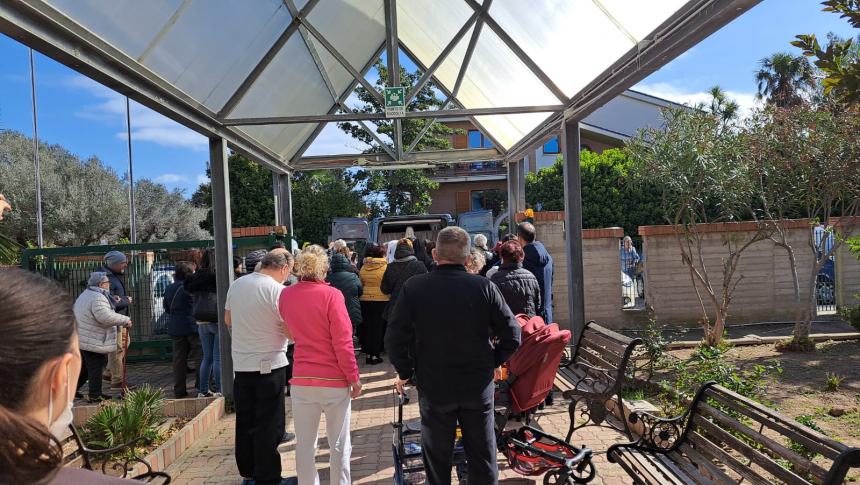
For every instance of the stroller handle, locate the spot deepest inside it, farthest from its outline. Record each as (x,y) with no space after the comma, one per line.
(584,454)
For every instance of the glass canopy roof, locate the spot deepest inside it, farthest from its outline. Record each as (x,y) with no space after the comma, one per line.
(285,59)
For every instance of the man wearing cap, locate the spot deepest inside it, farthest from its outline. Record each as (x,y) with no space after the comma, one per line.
(115,265)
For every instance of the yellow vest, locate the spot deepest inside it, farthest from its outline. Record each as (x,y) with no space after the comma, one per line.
(371,277)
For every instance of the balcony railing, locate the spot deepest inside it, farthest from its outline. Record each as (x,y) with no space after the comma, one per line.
(472,169)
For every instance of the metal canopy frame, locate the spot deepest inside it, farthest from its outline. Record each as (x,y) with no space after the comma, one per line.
(37,24)
(43,28)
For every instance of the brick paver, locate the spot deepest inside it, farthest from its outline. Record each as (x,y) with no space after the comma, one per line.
(211,459)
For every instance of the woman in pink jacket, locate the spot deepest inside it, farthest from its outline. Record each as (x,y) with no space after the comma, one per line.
(325,374)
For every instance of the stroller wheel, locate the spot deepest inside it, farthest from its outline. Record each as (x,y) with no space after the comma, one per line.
(583,474)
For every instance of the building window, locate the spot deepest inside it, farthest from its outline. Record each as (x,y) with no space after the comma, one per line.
(551,147)
(477,200)
(478,140)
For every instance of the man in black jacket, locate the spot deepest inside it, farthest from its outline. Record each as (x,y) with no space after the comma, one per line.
(442,332)
(115,264)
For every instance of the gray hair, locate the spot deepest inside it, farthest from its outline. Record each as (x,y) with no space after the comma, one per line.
(627,238)
(338,245)
(481,241)
(275,260)
(452,244)
(97,278)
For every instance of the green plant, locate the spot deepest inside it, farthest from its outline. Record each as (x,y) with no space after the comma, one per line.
(136,416)
(708,363)
(834,380)
(633,394)
(652,353)
(852,313)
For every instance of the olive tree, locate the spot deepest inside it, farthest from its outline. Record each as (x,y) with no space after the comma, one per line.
(695,166)
(806,161)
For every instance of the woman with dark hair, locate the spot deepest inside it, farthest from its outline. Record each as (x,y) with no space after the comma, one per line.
(518,285)
(40,361)
(182,328)
(373,302)
(203,286)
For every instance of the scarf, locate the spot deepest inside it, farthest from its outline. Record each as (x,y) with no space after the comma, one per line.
(104,292)
(406,259)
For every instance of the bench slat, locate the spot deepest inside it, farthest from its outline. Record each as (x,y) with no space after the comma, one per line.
(798,432)
(652,471)
(697,458)
(674,461)
(760,459)
(766,441)
(594,339)
(596,360)
(711,450)
(622,339)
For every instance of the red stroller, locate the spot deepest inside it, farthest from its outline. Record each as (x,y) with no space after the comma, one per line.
(531,373)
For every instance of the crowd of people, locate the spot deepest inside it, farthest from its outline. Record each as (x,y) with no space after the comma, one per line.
(443,311)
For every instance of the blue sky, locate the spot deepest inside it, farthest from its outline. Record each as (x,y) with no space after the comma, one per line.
(89,119)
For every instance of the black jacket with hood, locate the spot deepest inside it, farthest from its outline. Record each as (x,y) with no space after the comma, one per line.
(404,266)
(539,262)
(344,279)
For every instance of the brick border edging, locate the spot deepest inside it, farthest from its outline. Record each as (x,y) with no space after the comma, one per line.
(169,451)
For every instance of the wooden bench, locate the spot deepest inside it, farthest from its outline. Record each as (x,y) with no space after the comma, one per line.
(724,437)
(76,453)
(596,374)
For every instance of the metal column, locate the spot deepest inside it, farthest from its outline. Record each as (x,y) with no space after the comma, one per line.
(521,184)
(132,207)
(223,251)
(283,187)
(512,196)
(573,229)
(393,58)
(37,166)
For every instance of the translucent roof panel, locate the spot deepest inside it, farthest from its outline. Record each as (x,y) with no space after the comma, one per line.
(206,50)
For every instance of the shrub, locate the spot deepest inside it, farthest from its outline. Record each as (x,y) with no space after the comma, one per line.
(833,382)
(851,314)
(136,416)
(709,364)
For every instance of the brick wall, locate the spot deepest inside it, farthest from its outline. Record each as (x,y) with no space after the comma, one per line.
(765,292)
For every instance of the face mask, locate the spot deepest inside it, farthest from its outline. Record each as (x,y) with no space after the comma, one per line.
(58,427)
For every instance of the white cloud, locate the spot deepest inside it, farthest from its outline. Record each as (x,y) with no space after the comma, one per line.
(202,179)
(746,100)
(171,178)
(146,125)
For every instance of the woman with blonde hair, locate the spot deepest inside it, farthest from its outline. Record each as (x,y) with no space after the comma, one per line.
(325,373)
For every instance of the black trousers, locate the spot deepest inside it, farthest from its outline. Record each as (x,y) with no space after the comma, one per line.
(260,417)
(438,427)
(371,332)
(185,348)
(95,364)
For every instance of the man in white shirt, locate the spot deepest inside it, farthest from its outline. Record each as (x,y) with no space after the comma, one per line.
(259,364)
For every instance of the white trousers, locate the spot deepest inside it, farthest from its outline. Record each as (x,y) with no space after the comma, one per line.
(308,404)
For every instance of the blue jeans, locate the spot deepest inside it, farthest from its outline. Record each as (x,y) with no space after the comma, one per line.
(211,356)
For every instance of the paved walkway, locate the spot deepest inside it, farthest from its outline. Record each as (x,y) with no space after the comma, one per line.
(211,459)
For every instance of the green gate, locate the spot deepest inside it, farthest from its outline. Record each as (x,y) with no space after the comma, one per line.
(149,272)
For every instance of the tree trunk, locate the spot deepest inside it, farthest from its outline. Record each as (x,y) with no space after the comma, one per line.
(806,310)
(715,334)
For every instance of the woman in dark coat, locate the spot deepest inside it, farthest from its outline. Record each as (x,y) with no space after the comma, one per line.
(182,328)
(342,276)
(518,285)
(404,266)
(202,286)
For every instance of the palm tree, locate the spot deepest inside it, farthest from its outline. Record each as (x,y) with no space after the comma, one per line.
(783,77)
(722,106)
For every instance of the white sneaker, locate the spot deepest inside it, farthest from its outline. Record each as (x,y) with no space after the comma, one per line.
(200,394)
(218,394)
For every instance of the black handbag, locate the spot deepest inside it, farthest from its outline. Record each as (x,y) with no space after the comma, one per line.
(205,307)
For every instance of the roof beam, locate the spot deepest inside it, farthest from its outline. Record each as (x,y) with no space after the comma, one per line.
(448,93)
(337,105)
(382,160)
(467,58)
(339,118)
(309,43)
(520,53)
(342,60)
(40,26)
(261,66)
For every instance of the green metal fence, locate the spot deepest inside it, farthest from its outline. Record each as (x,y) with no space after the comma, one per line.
(149,272)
